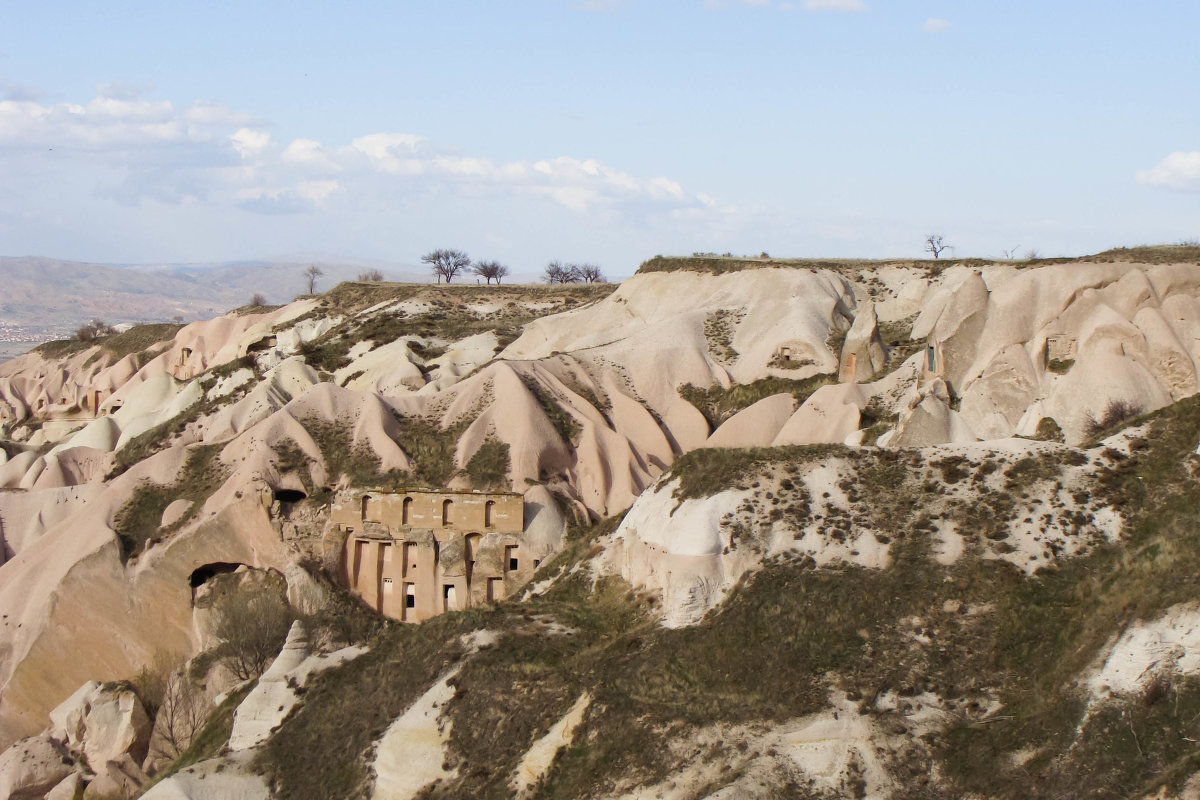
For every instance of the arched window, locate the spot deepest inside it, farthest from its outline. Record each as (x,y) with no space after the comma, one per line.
(488,510)
(447,505)
(406,511)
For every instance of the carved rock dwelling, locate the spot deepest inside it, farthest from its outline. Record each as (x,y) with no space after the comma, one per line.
(411,555)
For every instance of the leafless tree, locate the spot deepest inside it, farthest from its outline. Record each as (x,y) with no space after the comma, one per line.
(558,272)
(590,273)
(311,274)
(252,623)
(370,276)
(446,263)
(258,299)
(934,244)
(1011,254)
(182,712)
(489,270)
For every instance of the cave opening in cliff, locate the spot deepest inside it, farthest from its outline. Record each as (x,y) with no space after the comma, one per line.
(289,495)
(201,575)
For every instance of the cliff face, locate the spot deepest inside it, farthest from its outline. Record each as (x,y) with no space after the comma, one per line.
(708,405)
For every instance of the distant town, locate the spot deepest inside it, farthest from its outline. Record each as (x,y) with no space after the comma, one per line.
(18,339)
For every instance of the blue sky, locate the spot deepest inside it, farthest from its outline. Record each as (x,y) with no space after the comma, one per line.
(597,130)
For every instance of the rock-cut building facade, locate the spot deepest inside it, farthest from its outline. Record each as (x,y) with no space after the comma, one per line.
(412,555)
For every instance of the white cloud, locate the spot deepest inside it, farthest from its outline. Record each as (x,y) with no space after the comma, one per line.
(834,5)
(249,142)
(309,153)
(935,25)
(207,153)
(1177,171)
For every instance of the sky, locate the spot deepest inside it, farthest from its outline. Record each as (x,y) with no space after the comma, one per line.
(605,131)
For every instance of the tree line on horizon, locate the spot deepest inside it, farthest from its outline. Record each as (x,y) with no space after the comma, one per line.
(447,264)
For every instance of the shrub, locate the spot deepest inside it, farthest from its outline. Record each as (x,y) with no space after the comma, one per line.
(1115,413)
(252,623)
(93,330)
(1060,366)
(1048,431)
(718,404)
(489,466)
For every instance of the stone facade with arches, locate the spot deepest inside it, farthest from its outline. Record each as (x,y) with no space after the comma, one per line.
(411,555)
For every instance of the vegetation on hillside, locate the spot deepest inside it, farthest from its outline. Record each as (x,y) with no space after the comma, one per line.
(138,524)
(1185,253)
(791,634)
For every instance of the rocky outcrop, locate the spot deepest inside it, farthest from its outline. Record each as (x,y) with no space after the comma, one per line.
(863,352)
(411,754)
(96,740)
(278,689)
(32,767)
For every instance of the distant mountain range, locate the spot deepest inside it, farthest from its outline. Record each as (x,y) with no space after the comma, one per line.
(45,298)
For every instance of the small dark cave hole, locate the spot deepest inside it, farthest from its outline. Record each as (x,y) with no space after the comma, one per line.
(289,495)
(202,575)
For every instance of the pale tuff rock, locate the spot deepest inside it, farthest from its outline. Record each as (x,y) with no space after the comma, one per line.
(994,404)
(120,777)
(1117,331)
(1149,649)
(102,724)
(389,369)
(69,788)
(830,415)
(537,759)
(174,512)
(544,523)
(1109,330)
(755,426)
(863,354)
(411,754)
(679,550)
(930,422)
(692,552)
(226,778)
(96,736)
(277,691)
(25,516)
(839,752)
(32,767)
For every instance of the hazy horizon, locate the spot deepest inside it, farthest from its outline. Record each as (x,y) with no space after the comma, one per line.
(599,130)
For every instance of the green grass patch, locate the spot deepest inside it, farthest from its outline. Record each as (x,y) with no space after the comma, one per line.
(138,339)
(972,632)
(62,348)
(488,468)
(559,417)
(718,403)
(1060,366)
(719,328)
(1152,254)
(430,448)
(138,523)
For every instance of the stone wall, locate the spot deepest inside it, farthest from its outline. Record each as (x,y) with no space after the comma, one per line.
(413,555)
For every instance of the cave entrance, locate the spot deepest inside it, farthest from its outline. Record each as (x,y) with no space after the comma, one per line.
(289,495)
(202,575)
